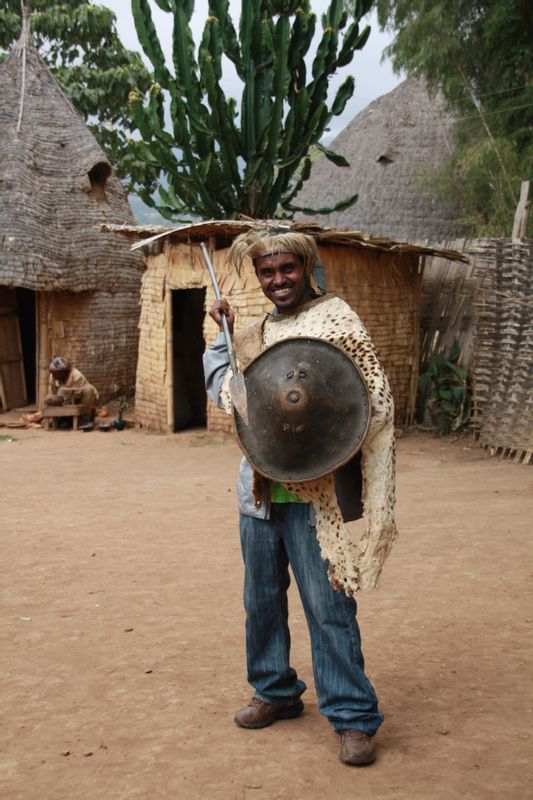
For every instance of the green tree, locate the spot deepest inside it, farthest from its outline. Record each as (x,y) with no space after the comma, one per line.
(479,54)
(79,43)
(221,159)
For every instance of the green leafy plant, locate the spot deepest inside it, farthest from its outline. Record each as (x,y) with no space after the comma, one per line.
(446,385)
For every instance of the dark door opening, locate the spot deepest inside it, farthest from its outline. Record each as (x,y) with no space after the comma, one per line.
(17,348)
(28,339)
(190,399)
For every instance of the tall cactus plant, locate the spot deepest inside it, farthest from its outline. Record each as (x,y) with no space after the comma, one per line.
(219,160)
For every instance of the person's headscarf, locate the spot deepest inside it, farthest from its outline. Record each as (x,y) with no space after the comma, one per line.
(257,243)
(59,364)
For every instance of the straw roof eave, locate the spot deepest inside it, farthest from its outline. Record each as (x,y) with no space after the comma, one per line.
(227,230)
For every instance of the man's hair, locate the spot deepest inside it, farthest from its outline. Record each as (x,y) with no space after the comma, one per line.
(257,243)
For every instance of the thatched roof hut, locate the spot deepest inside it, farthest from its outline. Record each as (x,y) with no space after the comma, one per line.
(65,288)
(390,146)
(378,277)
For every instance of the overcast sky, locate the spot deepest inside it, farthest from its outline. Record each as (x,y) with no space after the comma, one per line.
(372,77)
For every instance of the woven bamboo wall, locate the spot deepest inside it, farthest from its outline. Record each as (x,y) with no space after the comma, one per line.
(248,302)
(150,387)
(503,348)
(98,333)
(382,287)
(447,312)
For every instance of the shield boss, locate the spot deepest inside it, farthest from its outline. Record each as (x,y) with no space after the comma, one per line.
(308,409)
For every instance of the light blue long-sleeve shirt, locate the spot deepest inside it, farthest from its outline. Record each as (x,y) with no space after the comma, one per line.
(216,364)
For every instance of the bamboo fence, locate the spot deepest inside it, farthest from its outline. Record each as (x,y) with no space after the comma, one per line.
(487,308)
(503,366)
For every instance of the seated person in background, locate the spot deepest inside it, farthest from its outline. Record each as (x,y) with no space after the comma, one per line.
(68,385)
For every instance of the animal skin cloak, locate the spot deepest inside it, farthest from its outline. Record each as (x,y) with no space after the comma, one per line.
(353,565)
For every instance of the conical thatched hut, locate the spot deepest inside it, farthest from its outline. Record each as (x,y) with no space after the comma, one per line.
(65,288)
(378,277)
(390,146)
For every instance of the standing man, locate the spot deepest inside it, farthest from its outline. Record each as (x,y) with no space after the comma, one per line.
(300,524)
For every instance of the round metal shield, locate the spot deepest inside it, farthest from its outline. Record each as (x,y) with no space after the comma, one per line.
(308,410)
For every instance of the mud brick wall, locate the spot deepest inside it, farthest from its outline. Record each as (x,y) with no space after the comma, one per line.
(98,332)
(384,290)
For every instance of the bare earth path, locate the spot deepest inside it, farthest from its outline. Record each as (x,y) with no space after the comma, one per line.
(121,638)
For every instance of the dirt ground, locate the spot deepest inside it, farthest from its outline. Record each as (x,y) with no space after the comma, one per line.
(122,646)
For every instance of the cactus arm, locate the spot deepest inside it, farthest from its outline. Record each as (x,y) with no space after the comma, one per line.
(303,31)
(146,32)
(274,137)
(165,5)
(353,40)
(187,84)
(304,174)
(225,173)
(344,92)
(248,15)
(280,86)
(230,42)
(340,206)
(179,116)
(335,158)
(222,114)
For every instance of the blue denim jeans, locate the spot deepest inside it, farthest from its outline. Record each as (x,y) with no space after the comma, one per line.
(345,695)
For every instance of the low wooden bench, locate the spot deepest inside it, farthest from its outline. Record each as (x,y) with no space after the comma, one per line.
(52,413)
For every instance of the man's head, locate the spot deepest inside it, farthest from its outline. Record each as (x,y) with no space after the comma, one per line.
(283,264)
(60,369)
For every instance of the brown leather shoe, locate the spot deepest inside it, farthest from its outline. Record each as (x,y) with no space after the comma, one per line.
(258,714)
(357,748)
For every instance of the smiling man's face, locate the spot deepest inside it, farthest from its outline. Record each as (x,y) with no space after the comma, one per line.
(282,279)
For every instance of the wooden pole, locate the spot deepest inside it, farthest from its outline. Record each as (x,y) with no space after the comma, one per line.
(211,247)
(522,212)
(43,347)
(417,272)
(211,244)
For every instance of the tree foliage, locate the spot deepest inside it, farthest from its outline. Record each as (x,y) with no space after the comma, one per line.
(222,158)
(79,43)
(479,54)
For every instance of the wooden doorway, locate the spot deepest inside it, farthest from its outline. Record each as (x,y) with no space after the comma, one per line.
(28,337)
(188,345)
(18,347)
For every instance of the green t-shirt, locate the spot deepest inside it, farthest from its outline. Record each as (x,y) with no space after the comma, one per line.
(281,495)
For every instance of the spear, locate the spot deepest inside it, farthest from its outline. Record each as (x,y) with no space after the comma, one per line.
(237,386)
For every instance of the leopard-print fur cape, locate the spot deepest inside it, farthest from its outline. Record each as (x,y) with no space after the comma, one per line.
(353,565)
